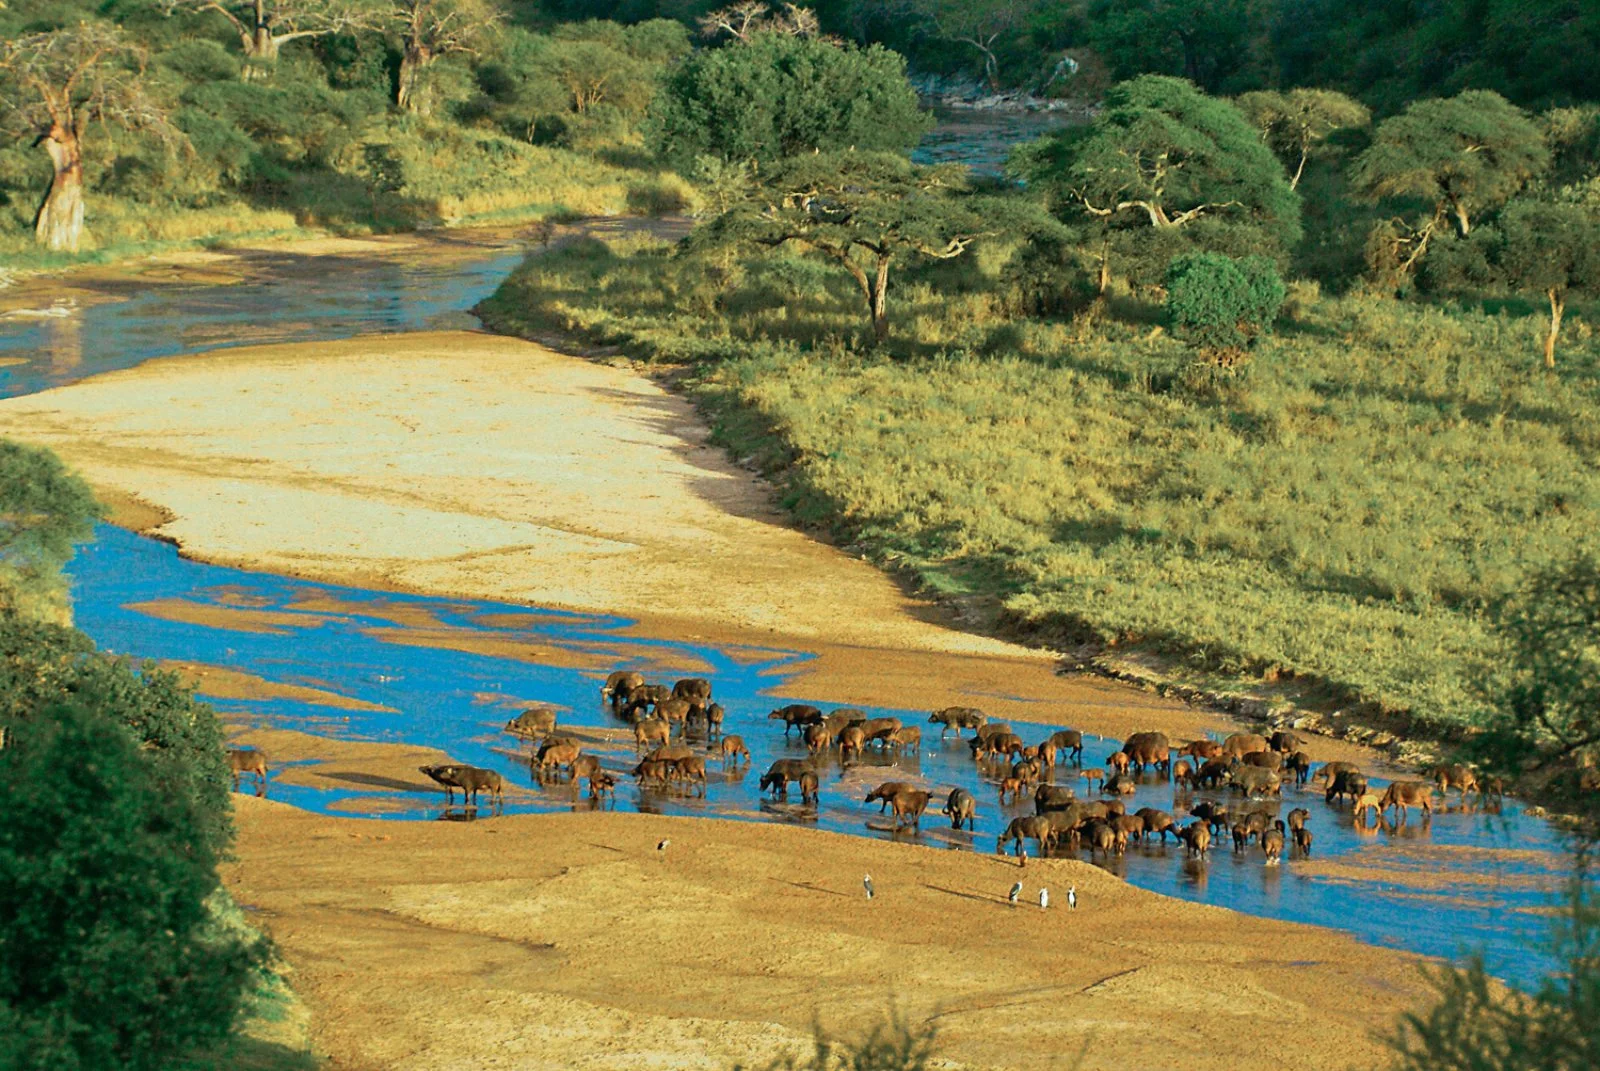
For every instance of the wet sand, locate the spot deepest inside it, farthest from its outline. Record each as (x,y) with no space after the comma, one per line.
(458,463)
(569,941)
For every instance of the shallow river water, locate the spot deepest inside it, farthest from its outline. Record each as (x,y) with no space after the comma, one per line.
(448,673)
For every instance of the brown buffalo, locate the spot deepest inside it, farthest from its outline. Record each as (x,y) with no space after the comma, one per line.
(909,803)
(696,690)
(1148,749)
(808,787)
(1117,761)
(1183,774)
(1404,795)
(1253,781)
(714,715)
(961,807)
(1350,783)
(885,792)
(957,718)
(670,753)
(674,711)
(1298,818)
(248,760)
(1299,763)
(601,784)
(1121,785)
(1264,760)
(646,696)
(851,742)
(691,769)
(653,771)
(840,719)
(1070,741)
(1092,775)
(1198,837)
(649,732)
(1052,798)
(1101,837)
(1213,773)
(1367,801)
(732,747)
(1046,753)
(878,730)
(993,728)
(583,766)
(1156,821)
(818,738)
(906,738)
(794,714)
(556,757)
(1010,786)
(1302,841)
(1028,827)
(1285,742)
(619,687)
(1455,776)
(1131,826)
(532,723)
(1272,844)
(469,779)
(1241,744)
(1329,770)
(1201,750)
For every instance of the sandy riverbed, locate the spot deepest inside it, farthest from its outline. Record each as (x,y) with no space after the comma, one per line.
(567,941)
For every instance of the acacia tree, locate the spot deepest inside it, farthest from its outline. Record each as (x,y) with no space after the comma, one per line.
(429,29)
(265,26)
(1552,250)
(743,20)
(978,24)
(1160,160)
(1297,124)
(1461,157)
(863,211)
(53,87)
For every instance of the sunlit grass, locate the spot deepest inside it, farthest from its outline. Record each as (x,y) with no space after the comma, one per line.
(1346,505)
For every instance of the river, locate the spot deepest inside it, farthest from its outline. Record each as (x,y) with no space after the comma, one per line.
(447,673)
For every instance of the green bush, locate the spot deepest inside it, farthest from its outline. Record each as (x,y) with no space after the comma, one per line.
(109,955)
(43,664)
(44,510)
(1221,304)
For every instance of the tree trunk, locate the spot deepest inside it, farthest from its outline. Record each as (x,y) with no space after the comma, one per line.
(1103,280)
(1294,180)
(260,52)
(877,299)
(59,224)
(1463,224)
(1558,306)
(410,96)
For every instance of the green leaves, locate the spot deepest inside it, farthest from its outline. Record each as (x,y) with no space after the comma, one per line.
(109,956)
(44,510)
(1462,156)
(781,96)
(1220,304)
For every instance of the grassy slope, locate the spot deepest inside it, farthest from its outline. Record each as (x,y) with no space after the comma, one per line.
(1345,508)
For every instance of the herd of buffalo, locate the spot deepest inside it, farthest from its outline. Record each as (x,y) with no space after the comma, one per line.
(664,720)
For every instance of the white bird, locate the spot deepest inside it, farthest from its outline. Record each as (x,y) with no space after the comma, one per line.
(1016,891)
(866,883)
(1044,899)
(663,845)
(1072,897)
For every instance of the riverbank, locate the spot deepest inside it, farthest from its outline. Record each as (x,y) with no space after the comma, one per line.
(457,463)
(571,941)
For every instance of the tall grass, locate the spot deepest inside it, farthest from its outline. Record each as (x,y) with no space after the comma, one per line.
(1345,506)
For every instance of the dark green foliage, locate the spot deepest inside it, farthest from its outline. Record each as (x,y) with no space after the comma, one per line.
(43,664)
(863,211)
(1162,169)
(1460,157)
(44,510)
(1220,304)
(109,957)
(1217,44)
(781,96)
(1478,1024)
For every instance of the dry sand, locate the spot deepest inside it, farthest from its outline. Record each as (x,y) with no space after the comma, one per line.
(560,941)
(466,464)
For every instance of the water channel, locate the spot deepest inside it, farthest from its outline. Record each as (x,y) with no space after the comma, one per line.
(447,673)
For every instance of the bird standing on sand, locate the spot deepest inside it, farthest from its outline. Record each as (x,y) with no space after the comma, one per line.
(1016,891)
(866,883)
(1072,897)
(1044,899)
(663,845)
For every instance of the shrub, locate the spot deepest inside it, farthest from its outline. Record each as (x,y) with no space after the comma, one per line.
(109,956)
(44,510)
(1220,304)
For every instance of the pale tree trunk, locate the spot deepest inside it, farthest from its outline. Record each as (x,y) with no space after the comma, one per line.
(1294,180)
(59,225)
(410,96)
(1558,307)
(260,51)
(1463,223)
(879,299)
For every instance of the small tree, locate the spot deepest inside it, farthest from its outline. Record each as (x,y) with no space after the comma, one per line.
(53,87)
(1462,156)
(863,211)
(429,29)
(109,956)
(980,25)
(1161,162)
(1220,304)
(44,510)
(781,95)
(743,20)
(1297,124)
(1552,250)
(265,26)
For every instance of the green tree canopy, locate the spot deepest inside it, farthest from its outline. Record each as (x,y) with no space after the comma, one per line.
(1297,123)
(1551,250)
(44,510)
(1216,44)
(1163,168)
(1220,304)
(1462,156)
(863,211)
(781,95)
(43,664)
(109,956)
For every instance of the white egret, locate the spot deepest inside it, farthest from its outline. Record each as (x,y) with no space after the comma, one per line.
(1016,891)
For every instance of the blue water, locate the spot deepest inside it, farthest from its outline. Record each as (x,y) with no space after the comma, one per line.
(362,645)
(457,701)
